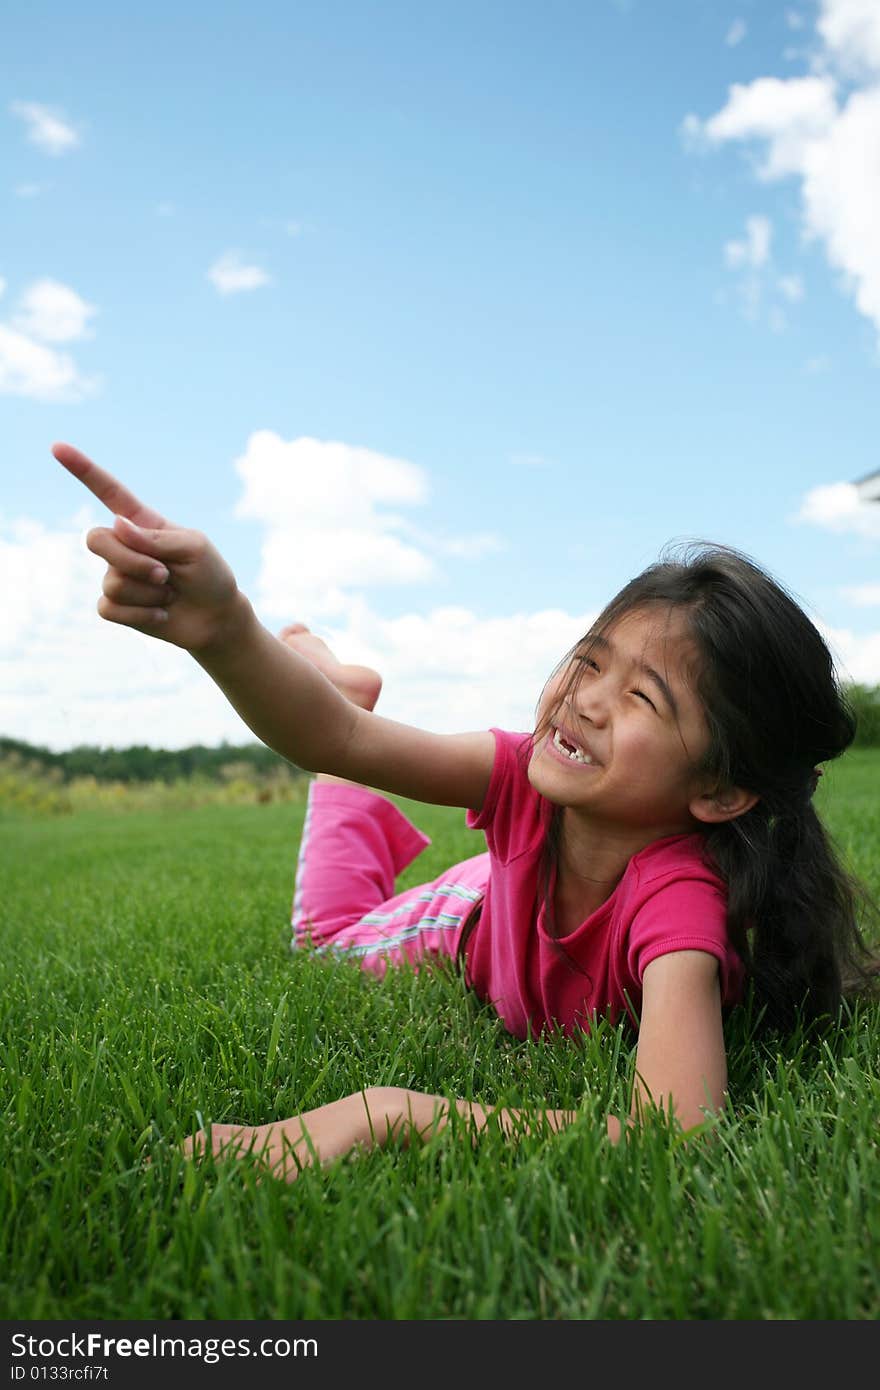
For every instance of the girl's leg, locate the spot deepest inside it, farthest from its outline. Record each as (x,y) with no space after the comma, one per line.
(354,844)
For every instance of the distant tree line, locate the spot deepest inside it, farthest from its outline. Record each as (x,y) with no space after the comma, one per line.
(142,764)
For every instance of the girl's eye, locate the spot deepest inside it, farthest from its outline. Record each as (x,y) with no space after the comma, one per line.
(588,661)
(642,696)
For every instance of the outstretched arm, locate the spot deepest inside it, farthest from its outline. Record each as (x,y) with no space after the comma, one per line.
(375,1117)
(170,583)
(680,1066)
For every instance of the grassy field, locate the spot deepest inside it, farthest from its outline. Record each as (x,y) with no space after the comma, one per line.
(147,985)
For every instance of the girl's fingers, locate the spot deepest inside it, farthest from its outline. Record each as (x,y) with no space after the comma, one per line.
(128,615)
(221,1140)
(132,563)
(169,544)
(195,1146)
(235,1141)
(136,592)
(115,496)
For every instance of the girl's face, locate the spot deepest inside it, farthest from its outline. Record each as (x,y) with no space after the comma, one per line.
(621,748)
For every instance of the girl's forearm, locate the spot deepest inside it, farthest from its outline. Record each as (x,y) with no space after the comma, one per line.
(381,1115)
(373,1118)
(364,1120)
(283,699)
(428,1114)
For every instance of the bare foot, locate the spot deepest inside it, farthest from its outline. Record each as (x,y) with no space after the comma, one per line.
(359,684)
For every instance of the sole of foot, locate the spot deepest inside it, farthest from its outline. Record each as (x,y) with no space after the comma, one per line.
(359,684)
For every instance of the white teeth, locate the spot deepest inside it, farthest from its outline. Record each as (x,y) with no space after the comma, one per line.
(574,754)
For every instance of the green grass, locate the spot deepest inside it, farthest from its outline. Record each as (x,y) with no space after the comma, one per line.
(147,983)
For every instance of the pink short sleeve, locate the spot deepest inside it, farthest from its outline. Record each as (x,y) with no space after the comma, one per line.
(500,782)
(512,814)
(685,915)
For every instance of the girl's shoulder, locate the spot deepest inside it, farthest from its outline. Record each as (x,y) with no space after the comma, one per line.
(674,857)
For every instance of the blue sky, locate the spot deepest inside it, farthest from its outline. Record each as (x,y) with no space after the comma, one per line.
(440,320)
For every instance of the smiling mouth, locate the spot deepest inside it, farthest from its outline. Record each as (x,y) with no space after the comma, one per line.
(570,750)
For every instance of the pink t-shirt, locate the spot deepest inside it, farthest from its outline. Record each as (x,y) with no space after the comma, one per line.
(667,900)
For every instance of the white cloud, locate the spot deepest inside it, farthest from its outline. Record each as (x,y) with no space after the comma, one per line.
(28,368)
(230,275)
(53,313)
(332,523)
(791,287)
(863,595)
(841,192)
(856,655)
(47,313)
(818,364)
(794,19)
(50,130)
(824,135)
(838,507)
(28,190)
(851,32)
(789,113)
(736,33)
(755,249)
(66,677)
(450,670)
(750,258)
(2,285)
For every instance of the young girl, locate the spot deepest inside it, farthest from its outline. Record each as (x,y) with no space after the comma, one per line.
(652,844)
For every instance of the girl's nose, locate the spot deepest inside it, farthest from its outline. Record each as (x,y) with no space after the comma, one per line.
(591,703)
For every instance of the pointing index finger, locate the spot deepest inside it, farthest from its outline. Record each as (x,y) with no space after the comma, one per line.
(106,488)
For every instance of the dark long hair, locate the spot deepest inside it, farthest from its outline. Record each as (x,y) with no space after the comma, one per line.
(775,711)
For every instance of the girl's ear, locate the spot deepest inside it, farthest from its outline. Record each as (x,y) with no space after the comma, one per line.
(713,808)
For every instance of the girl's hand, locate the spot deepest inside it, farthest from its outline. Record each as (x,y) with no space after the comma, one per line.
(161,579)
(377,1116)
(270,1145)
